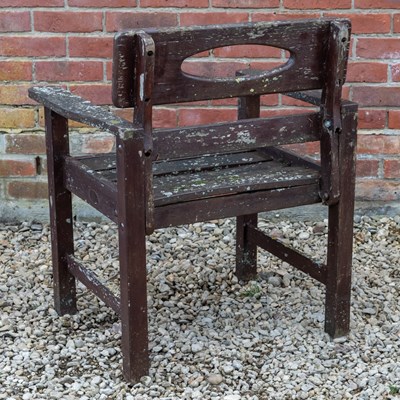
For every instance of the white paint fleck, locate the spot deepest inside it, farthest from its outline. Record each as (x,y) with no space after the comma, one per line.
(141,86)
(244,137)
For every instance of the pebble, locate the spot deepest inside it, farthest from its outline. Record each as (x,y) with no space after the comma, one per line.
(211,336)
(215,379)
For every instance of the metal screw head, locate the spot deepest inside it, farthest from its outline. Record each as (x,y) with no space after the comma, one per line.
(328,123)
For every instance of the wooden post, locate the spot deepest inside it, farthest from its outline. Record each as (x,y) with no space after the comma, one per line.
(57,145)
(132,257)
(340,236)
(246,252)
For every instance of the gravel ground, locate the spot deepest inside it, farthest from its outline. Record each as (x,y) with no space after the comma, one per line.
(211,337)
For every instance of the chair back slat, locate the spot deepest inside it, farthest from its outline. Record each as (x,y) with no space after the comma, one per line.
(305,40)
(235,136)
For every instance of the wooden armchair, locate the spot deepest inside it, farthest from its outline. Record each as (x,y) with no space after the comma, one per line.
(165,177)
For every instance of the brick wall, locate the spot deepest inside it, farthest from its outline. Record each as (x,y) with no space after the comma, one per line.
(70,42)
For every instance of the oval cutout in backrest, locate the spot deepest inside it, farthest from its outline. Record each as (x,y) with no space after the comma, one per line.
(224,62)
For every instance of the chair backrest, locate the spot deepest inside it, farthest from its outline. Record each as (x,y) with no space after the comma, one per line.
(307,41)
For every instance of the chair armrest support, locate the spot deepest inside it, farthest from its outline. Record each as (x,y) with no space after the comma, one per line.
(73,107)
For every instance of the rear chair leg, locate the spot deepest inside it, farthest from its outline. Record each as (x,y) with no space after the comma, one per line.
(340,236)
(246,252)
(338,286)
(62,242)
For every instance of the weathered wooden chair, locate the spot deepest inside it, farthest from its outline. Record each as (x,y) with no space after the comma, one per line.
(165,177)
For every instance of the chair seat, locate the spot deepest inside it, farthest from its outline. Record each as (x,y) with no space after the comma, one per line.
(183,180)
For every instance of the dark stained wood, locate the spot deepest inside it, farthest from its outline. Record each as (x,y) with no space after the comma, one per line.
(92,282)
(338,46)
(231,206)
(237,136)
(167,177)
(100,193)
(62,241)
(225,182)
(132,258)
(315,270)
(246,250)
(143,111)
(108,162)
(340,235)
(291,158)
(70,106)
(306,41)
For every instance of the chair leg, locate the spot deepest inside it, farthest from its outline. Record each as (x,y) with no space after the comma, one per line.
(132,260)
(340,236)
(62,242)
(338,286)
(246,252)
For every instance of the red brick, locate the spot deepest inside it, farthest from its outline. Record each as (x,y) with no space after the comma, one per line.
(282,16)
(116,21)
(99,47)
(67,21)
(316,4)
(266,65)
(391,169)
(269,100)
(25,144)
(98,94)
(378,144)
(165,118)
(377,190)
(53,71)
(280,111)
(192,116)
(213,69)
(372,119)
(367,168)
(210,18)
(395,69)
(102,3)
(377,4)
(15,70)
(246,3)
(249,51)
(27,190)
(98,144)
(394,119)
(17,118)
(377,96)
(15,21)
(15,94)
(17,167)
(32,3)
(21,46)
(308,148)
(174,3)
(396,23)
(366,23)
(367,72)
(383,48)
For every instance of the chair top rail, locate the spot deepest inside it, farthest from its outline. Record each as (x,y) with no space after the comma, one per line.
(305,40)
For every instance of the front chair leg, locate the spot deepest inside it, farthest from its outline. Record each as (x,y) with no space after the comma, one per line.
(62,241)
(246,252)
(132,260)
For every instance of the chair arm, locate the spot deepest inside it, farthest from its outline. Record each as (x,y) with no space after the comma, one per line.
(70,106)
